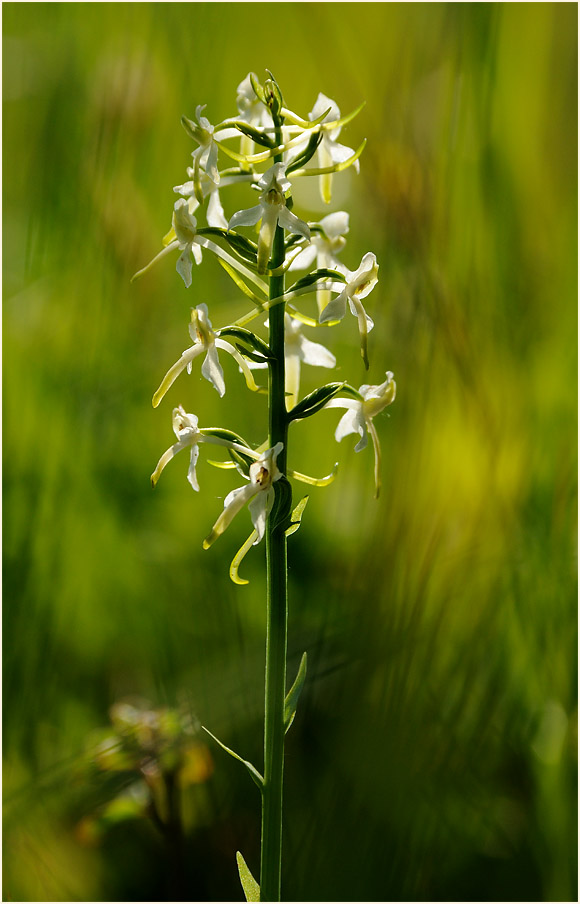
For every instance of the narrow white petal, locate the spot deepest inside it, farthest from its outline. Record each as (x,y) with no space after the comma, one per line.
(184,267)
(335,309)
(165,459)
(196,251)
(266,236)
(171,247)
(173,372)
(260,507)
(316,354)
(305,259)
(215,211)
(291,223)
(247,217)
(211,369)
(233,503)
(191,475)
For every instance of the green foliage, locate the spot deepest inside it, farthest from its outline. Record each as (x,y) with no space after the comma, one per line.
(249,884)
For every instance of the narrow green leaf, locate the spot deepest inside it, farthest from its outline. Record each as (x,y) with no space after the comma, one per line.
(222,433)
(291,701)
(251,769)
(238,243)
(248,338)
(311,278)
(249,884)
(307,154)
(255,134)
(315,401)
(296,516)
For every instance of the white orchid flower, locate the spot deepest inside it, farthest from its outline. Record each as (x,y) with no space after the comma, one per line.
(259,493)
(204,341)
(215,213)
(329,150)
(272,211)
(182,236)
(298,350)
(358,285)
(190,436)
(359,417)
(323,251)
(205,156)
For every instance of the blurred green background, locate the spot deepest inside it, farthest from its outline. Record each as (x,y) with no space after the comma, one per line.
(433,756)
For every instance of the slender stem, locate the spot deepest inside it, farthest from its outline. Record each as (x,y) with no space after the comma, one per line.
(277,610)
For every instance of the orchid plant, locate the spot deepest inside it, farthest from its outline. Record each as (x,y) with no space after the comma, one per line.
(268,146)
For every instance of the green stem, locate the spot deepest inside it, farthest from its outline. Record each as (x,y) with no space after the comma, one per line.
(277,609)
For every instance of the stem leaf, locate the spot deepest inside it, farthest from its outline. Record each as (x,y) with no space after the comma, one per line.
(313,277)
(291,701)
(248,338)
(314,402)
(296,516)
(249,884)
(307,154)
(243,247)
(255,134)
(251,769)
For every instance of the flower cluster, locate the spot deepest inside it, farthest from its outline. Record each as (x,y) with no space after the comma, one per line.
(267,146)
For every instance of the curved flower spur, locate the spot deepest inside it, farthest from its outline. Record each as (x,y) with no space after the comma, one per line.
(267,147)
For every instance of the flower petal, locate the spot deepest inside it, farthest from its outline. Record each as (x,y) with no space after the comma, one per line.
(260,506)
(191,475)
(165,459)
(316,354)
(291,223)
(335,309)
(211,369)
(247,217)
(233,503)
(184,266)
(173,372)
(215,211)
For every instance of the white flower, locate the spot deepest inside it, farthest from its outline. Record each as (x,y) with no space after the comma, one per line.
(323,251)
(329,150)
(190,436)
(259,493)
(205,156)
(215,213)
(359,416)
(204,340)
(358,285)
(184,228)
(271,211)
(299,349)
